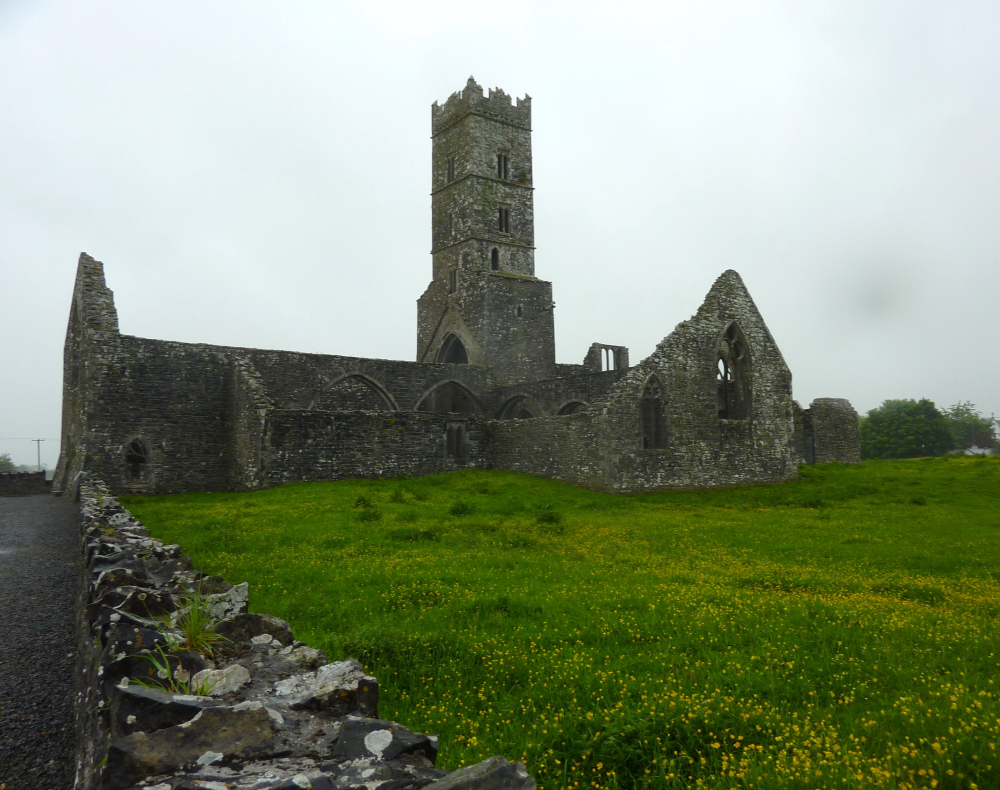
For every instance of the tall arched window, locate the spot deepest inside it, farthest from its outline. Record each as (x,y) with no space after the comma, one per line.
(652,426)
(733,375)
(136,456)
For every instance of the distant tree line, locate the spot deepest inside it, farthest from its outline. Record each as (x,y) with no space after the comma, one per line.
(8,465)
(915,428)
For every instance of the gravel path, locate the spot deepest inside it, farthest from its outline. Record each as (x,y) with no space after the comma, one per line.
(39,562)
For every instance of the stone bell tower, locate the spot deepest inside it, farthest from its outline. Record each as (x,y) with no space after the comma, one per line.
(484,305)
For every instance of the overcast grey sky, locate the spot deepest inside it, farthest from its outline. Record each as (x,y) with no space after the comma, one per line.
(257,174)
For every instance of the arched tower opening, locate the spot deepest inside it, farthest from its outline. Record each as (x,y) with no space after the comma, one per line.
(452,351)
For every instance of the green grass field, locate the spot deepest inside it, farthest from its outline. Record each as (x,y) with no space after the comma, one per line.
(840,631)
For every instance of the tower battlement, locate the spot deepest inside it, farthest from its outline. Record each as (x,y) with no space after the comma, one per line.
(495,104)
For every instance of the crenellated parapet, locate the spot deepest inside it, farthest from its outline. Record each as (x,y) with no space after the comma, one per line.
(495,104)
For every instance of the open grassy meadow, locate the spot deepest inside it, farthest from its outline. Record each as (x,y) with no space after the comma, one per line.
(840,631)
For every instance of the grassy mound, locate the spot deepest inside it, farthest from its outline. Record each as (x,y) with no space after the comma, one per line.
(840,631)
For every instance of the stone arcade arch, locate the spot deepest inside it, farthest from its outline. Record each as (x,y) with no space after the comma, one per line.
(733,385)
(356,391)
(518,407)
(450,397)
(571,407)
(452,351)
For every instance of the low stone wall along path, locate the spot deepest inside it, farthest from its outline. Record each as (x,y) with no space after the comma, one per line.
(39,568)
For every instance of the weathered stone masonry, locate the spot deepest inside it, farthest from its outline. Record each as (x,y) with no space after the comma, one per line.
(711,406)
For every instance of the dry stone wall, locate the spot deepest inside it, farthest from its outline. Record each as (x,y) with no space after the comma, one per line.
(23,483)
(259,711)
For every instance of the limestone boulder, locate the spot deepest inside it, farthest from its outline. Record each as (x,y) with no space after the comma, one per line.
(367,774)
(382,740)
(220,682)
(338,689)
(222,734)
(137,708)
(245,627)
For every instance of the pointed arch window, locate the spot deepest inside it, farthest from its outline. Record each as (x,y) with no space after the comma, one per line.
(453,351)
(652,424)
(733,375)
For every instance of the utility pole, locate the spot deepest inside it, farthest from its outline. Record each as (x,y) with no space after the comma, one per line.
(38,446)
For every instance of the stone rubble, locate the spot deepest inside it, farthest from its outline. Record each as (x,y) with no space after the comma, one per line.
(263,712)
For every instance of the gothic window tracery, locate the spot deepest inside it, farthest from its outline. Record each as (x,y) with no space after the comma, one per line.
(733,375)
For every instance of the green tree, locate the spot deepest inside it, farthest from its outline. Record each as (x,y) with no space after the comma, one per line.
(6,465)
(905,429)
(968,426)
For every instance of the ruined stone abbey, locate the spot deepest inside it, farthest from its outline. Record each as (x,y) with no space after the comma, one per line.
(711,406)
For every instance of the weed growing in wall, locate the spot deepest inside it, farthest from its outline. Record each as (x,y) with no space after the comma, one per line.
(840,631)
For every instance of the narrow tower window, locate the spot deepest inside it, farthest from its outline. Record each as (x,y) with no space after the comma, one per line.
(495,259)
(451,168)
(504,217)
(503,167)
(452,281)
(520,311)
